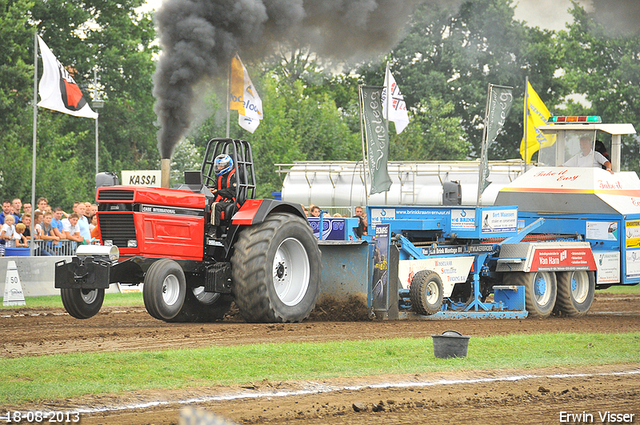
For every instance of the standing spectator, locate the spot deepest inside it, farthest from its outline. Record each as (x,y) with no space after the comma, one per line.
(26,208)
(48,233)
(72,230)
(314,211)
(93,224)
(83,222)
(57,220)
(362,222)
(7,210)
(26,219)
(17,206)
(88,211)
(38,216)
(42,204)
(8,229)
(19,237)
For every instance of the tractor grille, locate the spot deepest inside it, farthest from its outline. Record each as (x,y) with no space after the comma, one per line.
(118,228)
(115,195)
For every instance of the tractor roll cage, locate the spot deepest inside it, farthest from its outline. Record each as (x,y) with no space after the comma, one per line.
(240,152)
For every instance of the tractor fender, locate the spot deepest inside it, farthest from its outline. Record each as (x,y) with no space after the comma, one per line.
(255,211)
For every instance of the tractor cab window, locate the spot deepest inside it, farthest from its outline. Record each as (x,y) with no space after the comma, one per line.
(579,149)
(570,149)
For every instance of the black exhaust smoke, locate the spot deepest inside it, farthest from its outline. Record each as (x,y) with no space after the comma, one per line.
(199,37)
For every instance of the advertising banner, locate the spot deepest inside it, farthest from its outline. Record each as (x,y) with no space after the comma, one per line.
(375,131)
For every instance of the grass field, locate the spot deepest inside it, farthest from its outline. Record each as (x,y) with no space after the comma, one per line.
(30,379)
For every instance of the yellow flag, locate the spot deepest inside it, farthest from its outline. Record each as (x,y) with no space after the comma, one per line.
(536,114)
(244,97)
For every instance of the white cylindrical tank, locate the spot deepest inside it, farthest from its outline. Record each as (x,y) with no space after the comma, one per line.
(334,184)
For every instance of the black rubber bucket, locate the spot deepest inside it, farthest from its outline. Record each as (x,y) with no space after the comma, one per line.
(450,344)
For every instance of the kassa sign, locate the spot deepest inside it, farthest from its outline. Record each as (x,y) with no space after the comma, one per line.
(141,178)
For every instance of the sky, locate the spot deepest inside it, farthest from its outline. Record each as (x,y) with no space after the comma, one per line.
(548,14)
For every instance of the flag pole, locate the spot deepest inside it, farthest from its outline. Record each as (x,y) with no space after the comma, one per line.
(387,77)
(364,155)
(35,135)
(95,97)
(483,147)
(229,99)
(526,119)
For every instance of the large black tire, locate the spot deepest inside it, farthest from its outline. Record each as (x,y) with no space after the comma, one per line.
(276,270)
(164,289)
(200,306)
(540,291)
(576,290)
(82,303)
(426,292)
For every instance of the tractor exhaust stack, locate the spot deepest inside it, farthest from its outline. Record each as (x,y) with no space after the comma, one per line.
(165,172)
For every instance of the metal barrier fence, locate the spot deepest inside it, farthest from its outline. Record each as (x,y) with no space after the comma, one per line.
(50,248)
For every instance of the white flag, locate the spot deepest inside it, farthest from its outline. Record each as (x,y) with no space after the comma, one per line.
(397,105)
(249,124)
(244,97)
(58,91)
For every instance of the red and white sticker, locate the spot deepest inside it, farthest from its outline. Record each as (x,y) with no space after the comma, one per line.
(563,259)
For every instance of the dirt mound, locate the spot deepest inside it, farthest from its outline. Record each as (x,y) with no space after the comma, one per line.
(331,309)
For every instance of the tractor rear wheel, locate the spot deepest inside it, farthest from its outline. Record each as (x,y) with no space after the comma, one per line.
(540,291)
(576,290)
(426,292)
(164,289)
(82,303)
(276,270)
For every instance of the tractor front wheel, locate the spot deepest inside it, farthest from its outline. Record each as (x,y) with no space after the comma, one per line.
(276,270)
(82,303)
(164,289)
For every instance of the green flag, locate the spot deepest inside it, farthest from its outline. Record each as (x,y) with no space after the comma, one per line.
(499,101)
(377,137)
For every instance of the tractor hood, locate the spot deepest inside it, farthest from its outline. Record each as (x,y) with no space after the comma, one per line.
(573,190)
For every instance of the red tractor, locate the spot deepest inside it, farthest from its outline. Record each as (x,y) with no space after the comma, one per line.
(265,258)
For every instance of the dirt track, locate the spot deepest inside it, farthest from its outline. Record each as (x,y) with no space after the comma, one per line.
(536,397)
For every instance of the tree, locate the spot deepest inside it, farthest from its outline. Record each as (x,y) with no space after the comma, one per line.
(452,55)
(433,134)
(16,94)
(84,35)
(606,71)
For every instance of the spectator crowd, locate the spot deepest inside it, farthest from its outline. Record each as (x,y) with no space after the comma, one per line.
(54,227)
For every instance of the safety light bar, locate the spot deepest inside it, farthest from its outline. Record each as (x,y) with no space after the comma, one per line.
(594,119)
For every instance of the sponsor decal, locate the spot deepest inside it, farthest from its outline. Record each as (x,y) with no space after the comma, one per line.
(602,230)
(499,221)
(633,263)
(608,264)
(451,270)
(632,234)
(463,219)
(556,259)
(161,209)
(332,228)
